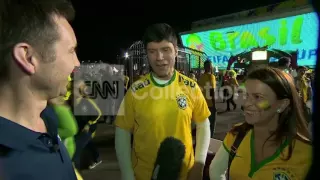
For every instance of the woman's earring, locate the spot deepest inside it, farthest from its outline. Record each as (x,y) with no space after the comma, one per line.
(279,111)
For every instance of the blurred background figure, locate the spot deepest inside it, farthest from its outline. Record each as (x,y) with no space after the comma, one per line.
(86,114)
(207,83)
(233,85)
(192,75)
(284,64)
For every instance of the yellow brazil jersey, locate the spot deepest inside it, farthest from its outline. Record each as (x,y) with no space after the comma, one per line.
(79,177)
(303,88)
(244,166)
(153,112)
(210,81)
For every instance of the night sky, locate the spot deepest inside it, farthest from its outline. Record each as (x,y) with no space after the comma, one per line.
(105,30)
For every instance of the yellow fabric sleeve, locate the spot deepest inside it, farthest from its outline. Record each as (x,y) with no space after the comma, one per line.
(125,117)
(213,81)
(200,110)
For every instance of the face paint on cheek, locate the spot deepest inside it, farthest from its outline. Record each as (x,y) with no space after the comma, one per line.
(264,105)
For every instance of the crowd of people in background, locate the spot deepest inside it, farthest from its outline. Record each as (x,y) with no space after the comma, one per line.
(303,77)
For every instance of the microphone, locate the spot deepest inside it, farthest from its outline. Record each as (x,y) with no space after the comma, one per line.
(55,145)
(55,148)
(169,160)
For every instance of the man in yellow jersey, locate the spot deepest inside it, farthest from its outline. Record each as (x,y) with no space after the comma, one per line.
(207,83)
(162,104)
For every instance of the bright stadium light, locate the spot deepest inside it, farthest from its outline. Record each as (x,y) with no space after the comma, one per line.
(126,55)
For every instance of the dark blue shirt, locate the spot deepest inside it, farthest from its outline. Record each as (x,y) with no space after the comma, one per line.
(29,155)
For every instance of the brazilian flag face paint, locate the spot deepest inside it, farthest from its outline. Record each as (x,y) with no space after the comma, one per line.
(69,90)
(67,96)
(264,105)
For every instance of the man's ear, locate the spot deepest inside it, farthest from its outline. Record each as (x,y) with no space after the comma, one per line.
(176,51)
(25,57)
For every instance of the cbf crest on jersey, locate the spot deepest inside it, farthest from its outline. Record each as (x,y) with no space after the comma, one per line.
(281,176)
(182,101)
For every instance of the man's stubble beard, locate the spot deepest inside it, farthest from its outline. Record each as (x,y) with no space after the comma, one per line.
(167,76)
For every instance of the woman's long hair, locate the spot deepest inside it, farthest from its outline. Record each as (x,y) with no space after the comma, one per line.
(292,123)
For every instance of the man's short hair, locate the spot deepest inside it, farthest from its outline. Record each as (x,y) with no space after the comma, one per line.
(207,63)
(159,32)
(283,61)
(31,22)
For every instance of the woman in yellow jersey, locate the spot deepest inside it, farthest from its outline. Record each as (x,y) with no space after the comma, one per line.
(276,142)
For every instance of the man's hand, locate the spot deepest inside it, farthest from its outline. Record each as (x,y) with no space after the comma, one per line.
(196,172)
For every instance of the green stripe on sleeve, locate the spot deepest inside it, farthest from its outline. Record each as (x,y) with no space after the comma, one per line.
(225,147)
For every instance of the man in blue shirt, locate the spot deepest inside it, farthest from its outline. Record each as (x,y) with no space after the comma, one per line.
(26,154)
(37,54)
